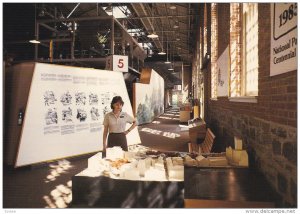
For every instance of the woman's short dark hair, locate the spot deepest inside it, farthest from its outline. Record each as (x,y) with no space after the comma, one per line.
(116,99)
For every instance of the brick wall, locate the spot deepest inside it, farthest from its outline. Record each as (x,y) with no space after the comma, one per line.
(223,11)
(269,127)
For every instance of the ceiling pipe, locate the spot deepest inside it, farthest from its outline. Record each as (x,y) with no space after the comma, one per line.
(73,10)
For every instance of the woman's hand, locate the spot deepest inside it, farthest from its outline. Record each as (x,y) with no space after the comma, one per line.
(131,128)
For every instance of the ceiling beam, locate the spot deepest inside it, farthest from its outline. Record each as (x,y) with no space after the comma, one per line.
(75,19)
(98,59)
(159,17)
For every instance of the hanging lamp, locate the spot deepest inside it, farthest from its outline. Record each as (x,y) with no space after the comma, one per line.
(162,50)
(167,62)
(153,35)
(172,7)
(34,41)
(176,24)
(172,66)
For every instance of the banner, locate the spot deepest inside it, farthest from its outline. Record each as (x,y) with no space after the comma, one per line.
(283,56)
(65,112)
(223,69)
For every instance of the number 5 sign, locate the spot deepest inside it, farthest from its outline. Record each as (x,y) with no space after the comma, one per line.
(117,63)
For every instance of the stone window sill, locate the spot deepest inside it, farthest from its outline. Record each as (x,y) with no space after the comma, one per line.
(248,99)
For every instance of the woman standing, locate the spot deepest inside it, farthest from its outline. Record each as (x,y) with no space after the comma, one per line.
(115,124)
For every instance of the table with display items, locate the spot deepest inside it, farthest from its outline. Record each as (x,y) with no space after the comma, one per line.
(171,180)
(94,187)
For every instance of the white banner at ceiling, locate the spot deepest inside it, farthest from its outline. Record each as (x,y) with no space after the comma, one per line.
(65,111)
(283,57)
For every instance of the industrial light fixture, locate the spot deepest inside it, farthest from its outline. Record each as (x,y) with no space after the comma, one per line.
(172,7)
(172,66)
(167,62)
(153,35)
(34,41)
(176,25)
(162,49)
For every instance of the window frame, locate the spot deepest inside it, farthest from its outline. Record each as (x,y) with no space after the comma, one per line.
(244,92)
(243,96)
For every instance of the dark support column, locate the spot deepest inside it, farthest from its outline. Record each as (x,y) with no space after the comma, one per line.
(36,47)
(73,40)
(112,40)
(131,53)
(123,43)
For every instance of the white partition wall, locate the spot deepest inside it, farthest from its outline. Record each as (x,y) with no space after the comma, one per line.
(65,111)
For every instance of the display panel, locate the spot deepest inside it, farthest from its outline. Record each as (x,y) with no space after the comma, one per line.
(65,112)
(149,99)
(283,51)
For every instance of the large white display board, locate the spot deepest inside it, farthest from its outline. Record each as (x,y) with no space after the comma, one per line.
(223,70)
(65,111)
(283,56)
(149,99)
